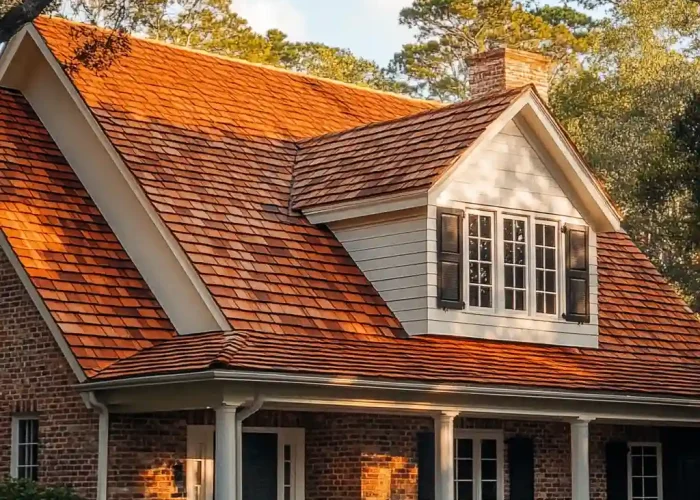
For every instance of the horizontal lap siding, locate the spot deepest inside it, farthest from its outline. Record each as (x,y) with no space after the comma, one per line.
(509,174)
(393,255)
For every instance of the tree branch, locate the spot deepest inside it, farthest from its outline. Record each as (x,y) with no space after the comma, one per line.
(19,15)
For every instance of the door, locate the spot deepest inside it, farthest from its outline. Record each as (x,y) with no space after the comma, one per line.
(260,462)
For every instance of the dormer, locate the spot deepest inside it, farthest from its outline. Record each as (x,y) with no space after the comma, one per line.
(477,219)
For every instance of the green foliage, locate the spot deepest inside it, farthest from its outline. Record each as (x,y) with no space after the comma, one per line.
(449,31)
(22,489)
(622,106)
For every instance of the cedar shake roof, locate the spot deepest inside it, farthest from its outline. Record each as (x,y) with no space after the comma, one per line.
(94,293)
(213,142)
(649,343)
(402,155)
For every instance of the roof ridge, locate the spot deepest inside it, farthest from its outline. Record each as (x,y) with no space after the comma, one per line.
(465,103)
(249,63)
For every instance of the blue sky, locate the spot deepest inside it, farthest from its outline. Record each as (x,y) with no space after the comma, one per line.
(369,28)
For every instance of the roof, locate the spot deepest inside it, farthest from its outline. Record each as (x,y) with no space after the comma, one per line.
(93,291)
(649,343)
(405,154)
(217,167)
(217,162)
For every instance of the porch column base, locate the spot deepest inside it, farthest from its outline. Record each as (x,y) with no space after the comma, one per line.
(580,473)
(225,461)
(445,456)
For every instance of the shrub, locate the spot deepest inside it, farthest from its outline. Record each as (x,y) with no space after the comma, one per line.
(23,489)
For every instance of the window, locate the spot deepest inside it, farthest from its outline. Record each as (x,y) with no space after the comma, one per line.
(546,268)
(478,465)
(25,448)
(480,260)
(515,263)
(644,471)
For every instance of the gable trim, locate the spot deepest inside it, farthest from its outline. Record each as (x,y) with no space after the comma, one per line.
(529,107)
(178,253)
(41,307)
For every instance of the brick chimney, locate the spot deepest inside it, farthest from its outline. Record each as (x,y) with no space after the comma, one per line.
(504,68)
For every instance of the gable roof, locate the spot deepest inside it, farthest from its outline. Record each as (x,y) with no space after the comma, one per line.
(397,156)
(92,290)
(216,162)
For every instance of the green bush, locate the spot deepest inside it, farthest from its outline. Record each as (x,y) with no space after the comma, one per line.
(22,489)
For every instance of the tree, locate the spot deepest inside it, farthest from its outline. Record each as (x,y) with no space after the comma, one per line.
(449,31)
(622,107)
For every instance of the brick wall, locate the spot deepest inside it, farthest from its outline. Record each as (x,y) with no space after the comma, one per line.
(348,456)
(35,377)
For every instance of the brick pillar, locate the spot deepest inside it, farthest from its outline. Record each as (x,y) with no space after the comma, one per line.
(504,68)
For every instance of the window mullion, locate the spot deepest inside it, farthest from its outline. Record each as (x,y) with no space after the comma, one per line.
(499,298)
(477,468)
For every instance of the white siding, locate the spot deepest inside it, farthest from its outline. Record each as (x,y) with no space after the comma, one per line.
(393,254)
(507,175)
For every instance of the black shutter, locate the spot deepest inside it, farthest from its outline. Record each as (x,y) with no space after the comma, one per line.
(577,288)
(426,466)
(521,464)
(259,466)
(616,470)
(450,258)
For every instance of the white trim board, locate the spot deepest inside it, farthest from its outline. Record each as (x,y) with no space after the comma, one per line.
(150,244)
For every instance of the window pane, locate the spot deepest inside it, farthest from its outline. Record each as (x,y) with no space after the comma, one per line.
(551,304)
(474,296)
(464,448)
(488,469)
(508,229)
(473,225)
(520,231)
(540,303)
(539,235)
(485,226)
(473,249)
(549,236)
(519,277)
(485,274)
(465,470)
(508,255)
(488,449)
(539,257)
(510,303)
(519,300)
(489,490)
(520,254)
(485,253)
(485,297)
(509,278)
(464,491)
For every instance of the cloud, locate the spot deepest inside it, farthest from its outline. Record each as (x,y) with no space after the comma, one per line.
(267,14)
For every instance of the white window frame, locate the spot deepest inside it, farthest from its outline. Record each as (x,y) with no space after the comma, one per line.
(501,291)
(495,252)
(202,436)
(559,256)
(14,454)
(498,264)
(659,467)
(477,435)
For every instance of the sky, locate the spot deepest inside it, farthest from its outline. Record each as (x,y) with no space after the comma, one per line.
(369,28)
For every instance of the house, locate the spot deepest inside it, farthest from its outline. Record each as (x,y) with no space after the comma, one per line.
(227,281)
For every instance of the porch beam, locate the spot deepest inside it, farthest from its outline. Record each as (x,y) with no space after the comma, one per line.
(226,454)
(580,461)
(445,455)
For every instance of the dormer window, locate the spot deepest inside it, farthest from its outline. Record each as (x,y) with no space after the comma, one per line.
(514,265)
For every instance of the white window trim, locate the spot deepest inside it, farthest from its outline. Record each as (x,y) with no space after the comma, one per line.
(560,262)
(659,466)
(501,264)
(293,436)
(498,269)
(495,256)
(14,453)
(479,435)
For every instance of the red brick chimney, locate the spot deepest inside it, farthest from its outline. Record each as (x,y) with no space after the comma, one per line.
(504,68)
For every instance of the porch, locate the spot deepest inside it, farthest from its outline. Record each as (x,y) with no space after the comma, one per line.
(293,447)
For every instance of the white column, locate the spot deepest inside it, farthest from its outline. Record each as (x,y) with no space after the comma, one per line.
(225,467)
(580,473)
(445,456)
